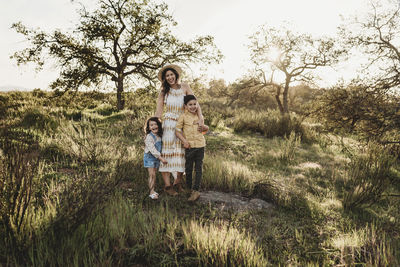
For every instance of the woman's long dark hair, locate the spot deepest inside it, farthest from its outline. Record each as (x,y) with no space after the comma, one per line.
(165,84)
(147,126)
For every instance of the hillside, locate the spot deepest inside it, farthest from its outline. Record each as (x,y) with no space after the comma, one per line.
(76,169)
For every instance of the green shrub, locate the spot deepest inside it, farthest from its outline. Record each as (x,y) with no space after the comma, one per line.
(38,119)
(228,175)
(105,109)
(368,245)
(288,147)
(368,176)
(53,152)
(87,143)
(39,93)
(222,245)
(19,164)
(269,123)
(74,114)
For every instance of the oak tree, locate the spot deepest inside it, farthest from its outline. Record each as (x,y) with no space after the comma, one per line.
(119,40)
(292,55)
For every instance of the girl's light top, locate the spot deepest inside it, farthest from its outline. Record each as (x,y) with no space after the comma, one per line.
(150,145)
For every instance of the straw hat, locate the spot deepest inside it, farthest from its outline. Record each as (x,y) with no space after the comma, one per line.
(170,66)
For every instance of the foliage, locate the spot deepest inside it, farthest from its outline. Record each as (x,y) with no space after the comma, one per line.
(117,40)
(90,206)
(369,175)
(375,34)
(269,123)
(289,146)
(19,163)
(36,118)
(222,245)
(228,176)
(241,94)
(293,55)
(369,112)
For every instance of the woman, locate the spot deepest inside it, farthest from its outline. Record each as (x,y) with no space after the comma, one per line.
(171,96)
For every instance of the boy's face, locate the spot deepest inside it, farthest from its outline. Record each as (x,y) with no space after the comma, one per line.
(153,126)
(192,106)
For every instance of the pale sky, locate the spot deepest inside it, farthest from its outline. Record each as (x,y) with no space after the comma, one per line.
(229,21)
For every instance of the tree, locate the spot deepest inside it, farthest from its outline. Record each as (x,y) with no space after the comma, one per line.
(359,109)
(120,39)
(292,55)
(246,92)
(376,35)
(369,106)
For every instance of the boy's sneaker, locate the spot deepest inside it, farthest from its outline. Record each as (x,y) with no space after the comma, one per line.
(170,191)
(194,196)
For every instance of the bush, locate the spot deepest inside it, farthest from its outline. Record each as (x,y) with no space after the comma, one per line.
(18,177)
(75,114)
(37,119)
(269,123)
(289,146)
(105,109)
(228,175)
(368,176)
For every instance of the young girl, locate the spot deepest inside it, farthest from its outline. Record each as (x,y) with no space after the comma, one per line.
(152,152)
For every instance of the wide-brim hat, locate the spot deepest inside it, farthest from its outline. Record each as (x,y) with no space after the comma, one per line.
(170,66)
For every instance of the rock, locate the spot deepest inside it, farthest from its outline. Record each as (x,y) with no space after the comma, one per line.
(260,204)
(309,165)
(233,201)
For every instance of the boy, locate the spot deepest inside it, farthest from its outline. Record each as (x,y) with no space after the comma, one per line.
(193,142)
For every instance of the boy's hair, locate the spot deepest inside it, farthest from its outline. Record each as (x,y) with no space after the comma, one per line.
(147,126)
(187,98)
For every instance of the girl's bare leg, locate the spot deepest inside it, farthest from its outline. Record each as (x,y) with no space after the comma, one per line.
(152,179)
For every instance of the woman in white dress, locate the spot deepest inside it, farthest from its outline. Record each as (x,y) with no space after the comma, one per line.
(171,96)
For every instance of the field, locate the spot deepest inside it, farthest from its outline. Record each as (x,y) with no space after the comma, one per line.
(74,191)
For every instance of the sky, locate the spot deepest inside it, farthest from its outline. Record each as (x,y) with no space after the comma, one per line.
(231,22)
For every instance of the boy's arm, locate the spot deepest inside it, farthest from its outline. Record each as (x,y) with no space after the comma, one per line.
(179,133)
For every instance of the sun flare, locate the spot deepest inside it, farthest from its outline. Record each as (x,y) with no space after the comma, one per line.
(274,53)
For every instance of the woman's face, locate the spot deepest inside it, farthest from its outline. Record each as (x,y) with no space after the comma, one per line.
(170,77)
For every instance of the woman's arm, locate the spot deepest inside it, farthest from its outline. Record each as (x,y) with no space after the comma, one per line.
(199,112)
(160,105)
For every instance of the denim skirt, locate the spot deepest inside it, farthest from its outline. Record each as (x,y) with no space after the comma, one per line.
(150,161)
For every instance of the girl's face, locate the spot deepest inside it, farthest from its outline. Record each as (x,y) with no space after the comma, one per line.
(170,77)
(153,126)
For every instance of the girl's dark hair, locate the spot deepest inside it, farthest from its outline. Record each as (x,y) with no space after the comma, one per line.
(147,126)
(165,84)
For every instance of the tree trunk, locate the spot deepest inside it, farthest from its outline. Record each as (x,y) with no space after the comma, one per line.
(120,95)
(285,97)
(278,100)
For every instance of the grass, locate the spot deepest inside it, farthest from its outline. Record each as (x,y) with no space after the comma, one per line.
(89,205)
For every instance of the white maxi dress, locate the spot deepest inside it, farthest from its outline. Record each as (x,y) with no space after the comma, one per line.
(172,148)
